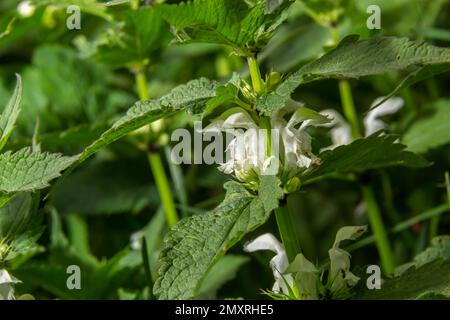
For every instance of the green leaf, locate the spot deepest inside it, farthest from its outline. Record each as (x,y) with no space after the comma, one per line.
(244,27)
(64,90)
(376,151)
(421,73)
(26,170)
(430,132)
(196,243)
(274,6)
(138,36)
(106,187)
(191,97)
(354,58)
(14,215)
(414,283)
(223,271)
(439,249)
(306,277)
(20,227)
(74,139)
(292,46)
(99,279)
(225,94)
(10,113)
(77,228)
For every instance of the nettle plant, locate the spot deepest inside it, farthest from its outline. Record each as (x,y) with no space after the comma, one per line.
(22,174)
(195,246)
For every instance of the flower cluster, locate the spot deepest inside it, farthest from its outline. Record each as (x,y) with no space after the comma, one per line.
(264,146)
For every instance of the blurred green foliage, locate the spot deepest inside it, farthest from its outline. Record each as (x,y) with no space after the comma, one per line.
(77,83)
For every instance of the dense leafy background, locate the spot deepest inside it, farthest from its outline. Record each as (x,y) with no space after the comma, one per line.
(78,86)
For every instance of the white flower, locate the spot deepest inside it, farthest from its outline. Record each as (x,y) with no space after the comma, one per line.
(26,9)
(341,131)
(390,106)
(248,150)
(7,282)
(279,262)
(136,240)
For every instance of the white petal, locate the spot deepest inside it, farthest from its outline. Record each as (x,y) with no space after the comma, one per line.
(307,117)
(6,285)
(227,167)
(264,242)
(390,106)
(271,166)
(239,120)
(215,126)
(336,118)
(282,281)
(268,242)
(279,262)
(304,162)
(341,135)
(341,132)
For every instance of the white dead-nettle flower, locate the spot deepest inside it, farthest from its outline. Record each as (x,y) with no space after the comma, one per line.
(279,262)
(7,283)
(26,9)
(341,131)
(249,154)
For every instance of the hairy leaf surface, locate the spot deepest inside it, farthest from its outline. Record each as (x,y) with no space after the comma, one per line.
(191,97)
(230,22)
(193,246)
(375,151)
(26,170)
(10,113)
(142,34)
(414,283)
(354,58)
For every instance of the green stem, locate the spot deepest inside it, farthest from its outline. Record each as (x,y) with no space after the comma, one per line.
(156,165)
(134,4)
(265,124)
(434,227)
(141,83)
(286,226)
(395,218)
(349,108)
(379,231)
(255,74)
(402,226)
(376,222)
(163,186)
(447,186)
(147,269)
